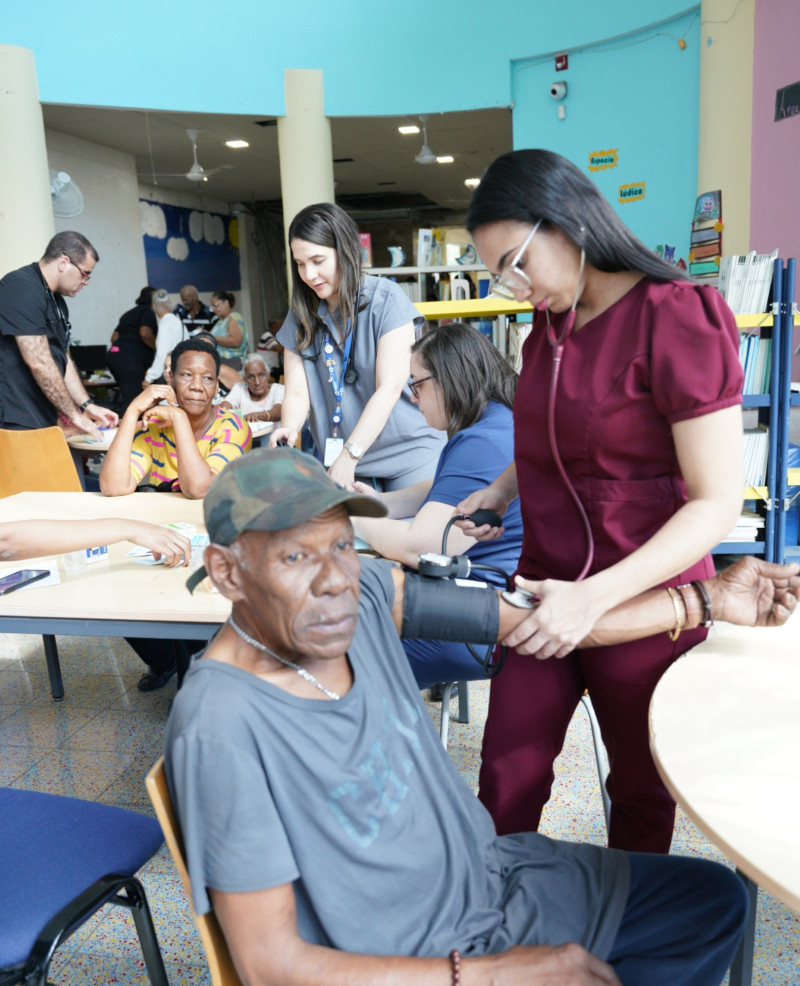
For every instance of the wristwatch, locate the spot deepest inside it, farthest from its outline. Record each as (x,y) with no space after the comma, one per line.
(355,450)
(85,404)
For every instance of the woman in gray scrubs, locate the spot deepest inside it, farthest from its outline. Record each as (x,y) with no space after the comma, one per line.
(347,340)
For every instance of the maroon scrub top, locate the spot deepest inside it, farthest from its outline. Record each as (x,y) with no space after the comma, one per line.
(665,352)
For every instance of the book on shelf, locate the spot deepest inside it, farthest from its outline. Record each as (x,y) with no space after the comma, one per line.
(755,355)
(756,454)
(747,527)
(745,280)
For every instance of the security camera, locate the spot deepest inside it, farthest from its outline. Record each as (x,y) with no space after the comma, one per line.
(558,90)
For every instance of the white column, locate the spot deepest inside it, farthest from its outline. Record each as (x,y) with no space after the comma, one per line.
(304,146)
(26,213)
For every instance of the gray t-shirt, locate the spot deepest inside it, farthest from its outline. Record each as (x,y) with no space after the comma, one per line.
(356,804)
(406,443)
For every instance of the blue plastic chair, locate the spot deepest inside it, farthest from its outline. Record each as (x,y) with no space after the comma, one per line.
(62,859)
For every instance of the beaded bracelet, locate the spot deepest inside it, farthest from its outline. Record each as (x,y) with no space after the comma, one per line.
(702,591)
(680,614)
(455,962)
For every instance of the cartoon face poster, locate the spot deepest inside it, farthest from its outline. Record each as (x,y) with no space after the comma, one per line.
(708,206)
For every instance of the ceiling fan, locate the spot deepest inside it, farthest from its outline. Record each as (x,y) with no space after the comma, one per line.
(196,172)
(426,155)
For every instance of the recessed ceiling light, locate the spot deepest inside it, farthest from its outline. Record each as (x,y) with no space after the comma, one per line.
(445,159)
(472,182)
(236,143)
(409,130)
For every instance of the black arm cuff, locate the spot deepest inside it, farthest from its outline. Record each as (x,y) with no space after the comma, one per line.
(439,609)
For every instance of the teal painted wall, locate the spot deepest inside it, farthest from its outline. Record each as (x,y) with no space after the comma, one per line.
(638,95)
(417,56)
(378,57)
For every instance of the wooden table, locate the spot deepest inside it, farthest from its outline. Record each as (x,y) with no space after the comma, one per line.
(83,445)
(725,736)
(115,597)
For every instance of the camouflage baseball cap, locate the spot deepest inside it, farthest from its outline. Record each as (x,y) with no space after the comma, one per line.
(273,490)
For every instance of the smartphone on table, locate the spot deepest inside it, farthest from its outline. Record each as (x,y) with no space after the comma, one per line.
(16,580)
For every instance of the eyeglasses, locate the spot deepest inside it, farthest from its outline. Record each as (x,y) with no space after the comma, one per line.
(413,385)
(85,275)
(511,278)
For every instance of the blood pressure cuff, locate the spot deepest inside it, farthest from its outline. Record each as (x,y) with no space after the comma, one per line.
(441,609)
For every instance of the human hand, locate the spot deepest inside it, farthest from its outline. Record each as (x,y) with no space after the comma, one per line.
(486,499)
(255,416)
(343,470)
(565,615)
(153,394)
(176,549)
(282,434)
(163,415)
(546,965)
(752,592)
(85,424)
(103,416)
(366,489)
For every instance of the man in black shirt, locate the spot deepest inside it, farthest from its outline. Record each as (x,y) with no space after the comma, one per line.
(37,377)
(196,316)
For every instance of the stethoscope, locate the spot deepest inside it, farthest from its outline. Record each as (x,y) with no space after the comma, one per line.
(350,375)
(558,341)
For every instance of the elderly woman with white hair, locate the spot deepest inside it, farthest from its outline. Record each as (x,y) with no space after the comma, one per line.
(256,398)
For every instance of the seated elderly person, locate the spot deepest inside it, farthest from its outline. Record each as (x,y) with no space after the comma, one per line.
(317,802)
(257,397)
(179,446)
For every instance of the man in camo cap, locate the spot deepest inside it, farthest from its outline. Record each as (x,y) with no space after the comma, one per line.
(325,824)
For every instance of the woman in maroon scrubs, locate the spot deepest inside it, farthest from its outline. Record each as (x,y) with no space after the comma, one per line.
(633,370)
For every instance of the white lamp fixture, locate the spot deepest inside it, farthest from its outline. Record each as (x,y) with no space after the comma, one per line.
(426,155)
(409,130)
(236,144)
(472,182)
(445,159)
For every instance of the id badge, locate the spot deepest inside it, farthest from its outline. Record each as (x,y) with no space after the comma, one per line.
(333,446)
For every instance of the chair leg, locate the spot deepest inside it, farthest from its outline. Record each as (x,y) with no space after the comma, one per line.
(600,756)
(106,890)
(463,702)
(444,721)
(136,901)
(53,666)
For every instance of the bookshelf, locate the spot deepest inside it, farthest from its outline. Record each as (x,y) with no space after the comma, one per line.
(417,277)
(773,411)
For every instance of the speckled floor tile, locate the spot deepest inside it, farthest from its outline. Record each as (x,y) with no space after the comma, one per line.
(79,774)
(116,729)
(15,762)
(44,727)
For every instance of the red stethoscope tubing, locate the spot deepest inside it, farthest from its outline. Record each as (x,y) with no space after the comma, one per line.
(558,342)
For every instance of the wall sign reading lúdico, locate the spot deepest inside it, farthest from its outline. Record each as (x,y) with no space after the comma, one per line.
(631,193)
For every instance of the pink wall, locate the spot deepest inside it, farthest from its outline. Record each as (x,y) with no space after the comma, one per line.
(775,192)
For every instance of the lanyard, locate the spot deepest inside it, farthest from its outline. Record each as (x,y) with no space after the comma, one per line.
(337,388)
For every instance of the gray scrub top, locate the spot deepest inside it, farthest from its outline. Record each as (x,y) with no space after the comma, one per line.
(406,443)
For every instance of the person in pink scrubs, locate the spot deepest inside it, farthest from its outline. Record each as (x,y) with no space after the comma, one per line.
(628,466)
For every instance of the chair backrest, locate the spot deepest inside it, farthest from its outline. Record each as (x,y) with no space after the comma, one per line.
(220,963)
(36,461)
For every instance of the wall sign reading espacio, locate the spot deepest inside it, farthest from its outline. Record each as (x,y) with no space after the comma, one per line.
(603,160)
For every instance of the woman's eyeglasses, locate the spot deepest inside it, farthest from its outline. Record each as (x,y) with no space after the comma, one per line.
(512,278)
(413,385)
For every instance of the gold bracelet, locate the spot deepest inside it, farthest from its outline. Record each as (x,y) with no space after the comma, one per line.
(680,617)
(269,415)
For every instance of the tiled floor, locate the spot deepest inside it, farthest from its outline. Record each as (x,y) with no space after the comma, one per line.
(102,739)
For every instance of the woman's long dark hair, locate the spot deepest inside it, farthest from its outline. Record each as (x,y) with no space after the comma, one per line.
(470,371)
(531,185)
(326,225)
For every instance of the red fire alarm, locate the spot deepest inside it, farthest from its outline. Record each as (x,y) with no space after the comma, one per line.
(562,62)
